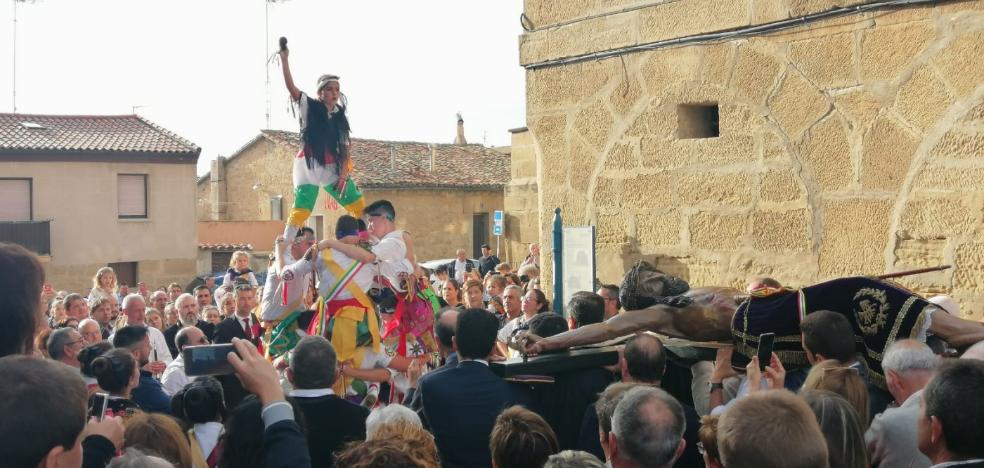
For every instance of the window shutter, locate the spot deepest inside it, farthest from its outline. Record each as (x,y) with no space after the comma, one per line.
(16,196)
(132,195)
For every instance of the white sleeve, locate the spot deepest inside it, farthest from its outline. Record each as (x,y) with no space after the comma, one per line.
(160,345)
(299,268)
(390,250)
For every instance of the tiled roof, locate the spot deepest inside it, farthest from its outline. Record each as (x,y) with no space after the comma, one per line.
(80,134)
(401,164)
(225,247)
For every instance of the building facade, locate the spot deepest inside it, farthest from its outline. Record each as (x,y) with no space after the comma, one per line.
(89,191)
(444,194)
(838,138)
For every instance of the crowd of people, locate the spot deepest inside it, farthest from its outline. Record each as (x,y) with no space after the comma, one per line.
(99,379)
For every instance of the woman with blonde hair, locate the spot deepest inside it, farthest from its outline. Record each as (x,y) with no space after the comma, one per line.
(398,443)
(834,376)
(56,313)
(211,314)
(103,283)
(159,434)
(154,318)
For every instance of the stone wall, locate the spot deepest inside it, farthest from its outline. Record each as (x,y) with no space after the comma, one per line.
(520,203)
(848,146)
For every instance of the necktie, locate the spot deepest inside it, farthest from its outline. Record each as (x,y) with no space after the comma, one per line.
(248,329)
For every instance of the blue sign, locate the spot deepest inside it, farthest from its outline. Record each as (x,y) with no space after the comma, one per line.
(497,223)
(497,230)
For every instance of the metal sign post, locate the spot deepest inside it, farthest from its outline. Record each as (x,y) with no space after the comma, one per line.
(497,228)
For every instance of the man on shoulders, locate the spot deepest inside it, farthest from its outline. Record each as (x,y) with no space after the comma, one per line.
(331,421)
(469,389)
(891,438)
(174,377)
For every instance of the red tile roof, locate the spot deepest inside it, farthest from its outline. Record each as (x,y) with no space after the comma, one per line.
(401,164)
(83,134)
(232,246)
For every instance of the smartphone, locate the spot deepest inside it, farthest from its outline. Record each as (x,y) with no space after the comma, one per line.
(208,359)
(99,404)
(766,341)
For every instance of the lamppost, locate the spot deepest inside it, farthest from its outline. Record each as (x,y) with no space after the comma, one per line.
(13,69)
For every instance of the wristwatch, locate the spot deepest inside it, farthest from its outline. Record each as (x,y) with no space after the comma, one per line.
(716,386)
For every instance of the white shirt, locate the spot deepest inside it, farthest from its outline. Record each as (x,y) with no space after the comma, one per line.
(311,392)
(174,378)
(272,304)
(391,258)
(362,280)
(208,436)
(459,271)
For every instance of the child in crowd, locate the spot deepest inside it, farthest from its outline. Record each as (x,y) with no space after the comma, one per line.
(239,268)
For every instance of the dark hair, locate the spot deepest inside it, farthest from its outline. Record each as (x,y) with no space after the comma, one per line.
(129,336)
(200,287)
(43,407)
(91,352)
(376,453)
(21,277)
(242,440)
(313,363)
(829,334)
(201,401)
(645,358)
(521,438)
(476,332)
(456,284)
(540,299)
(322,132)
(114,369)
(498,280)
(954,397)
(381,207)
(444,332)
(346,225)
(442,268)
(841,426)
(547,325)
(586,308)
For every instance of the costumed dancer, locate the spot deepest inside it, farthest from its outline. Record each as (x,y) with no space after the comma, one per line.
(325,156)
(284,295)
(413,318)
(345,313)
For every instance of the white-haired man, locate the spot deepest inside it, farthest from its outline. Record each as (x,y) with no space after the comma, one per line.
(135,310)
(891,438)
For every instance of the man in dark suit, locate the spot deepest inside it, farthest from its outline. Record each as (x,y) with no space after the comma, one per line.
(330,420)
(461,404)
(187,308)
(459,266)
(643,361)
(243,325)
(444,330)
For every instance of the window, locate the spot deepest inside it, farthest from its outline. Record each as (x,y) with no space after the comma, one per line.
(16,196)
(131,195)
(277,208)
(698,121)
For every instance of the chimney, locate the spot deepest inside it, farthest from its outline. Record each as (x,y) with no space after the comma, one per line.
(392,157)
(433,155)
(218,189)
(460,138)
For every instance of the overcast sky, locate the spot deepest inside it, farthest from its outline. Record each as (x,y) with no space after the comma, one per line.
(197,67)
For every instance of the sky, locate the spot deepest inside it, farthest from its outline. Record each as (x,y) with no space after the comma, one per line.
(198,67)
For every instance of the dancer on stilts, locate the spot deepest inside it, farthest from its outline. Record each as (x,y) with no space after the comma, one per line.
(325,156)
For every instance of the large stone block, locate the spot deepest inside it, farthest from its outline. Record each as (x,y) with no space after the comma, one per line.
(780,186)
(657,121)
(718,61)
(648,191)
(717,232)
(959,144)
(543,13)
(677,19)
(959,63)
(702,188)
(622,157)
(670,66)
(625,96)
(581,165)
(886,155)
(858,106)
(936,217)
(663,154)
(552,87)
(968,262)
(920,253)
(882,57)
(594,125)
(608,192)
(658,229)
(612,229)
(755,73)
(827,154)
(944,179)
(781,231)
(827,61)
(797,105)
(923,99)
(854,236)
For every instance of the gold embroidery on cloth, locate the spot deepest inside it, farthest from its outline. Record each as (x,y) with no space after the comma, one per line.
(873,313)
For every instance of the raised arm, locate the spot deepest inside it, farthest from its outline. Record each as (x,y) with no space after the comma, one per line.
(352,251)
(295,93)
(630,321)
